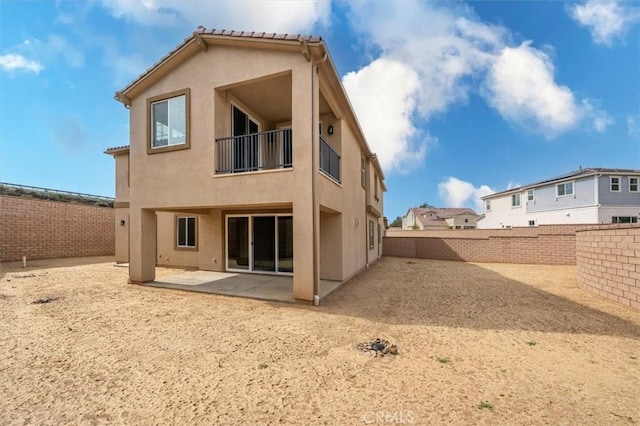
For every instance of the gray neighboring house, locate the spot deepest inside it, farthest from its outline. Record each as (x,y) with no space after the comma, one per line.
(435,218)
(590,195)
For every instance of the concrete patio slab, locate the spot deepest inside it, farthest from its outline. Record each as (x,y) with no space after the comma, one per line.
(255,286)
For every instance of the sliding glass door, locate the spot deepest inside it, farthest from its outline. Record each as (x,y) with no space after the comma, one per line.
(260,243)
(264,241)
(238,243)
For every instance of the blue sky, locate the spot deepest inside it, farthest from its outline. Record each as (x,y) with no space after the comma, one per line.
(459,99)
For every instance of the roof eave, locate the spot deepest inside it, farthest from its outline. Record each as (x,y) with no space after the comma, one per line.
(117,150)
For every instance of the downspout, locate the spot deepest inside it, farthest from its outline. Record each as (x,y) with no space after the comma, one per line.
(366,216)
(314,172)
(597,195)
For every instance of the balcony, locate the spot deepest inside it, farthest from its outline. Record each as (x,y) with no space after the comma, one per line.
(257,151)
(329,160)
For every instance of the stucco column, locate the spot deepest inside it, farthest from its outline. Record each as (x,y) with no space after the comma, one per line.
(211,256)
(142,240)
(305,143)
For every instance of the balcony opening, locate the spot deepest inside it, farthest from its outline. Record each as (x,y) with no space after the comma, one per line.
(253,125)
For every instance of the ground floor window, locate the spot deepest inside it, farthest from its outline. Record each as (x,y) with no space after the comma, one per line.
(624,219)
(260,243)
(186,232)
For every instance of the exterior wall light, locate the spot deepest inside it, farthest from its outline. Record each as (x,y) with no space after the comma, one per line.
(330,129)
(122,222)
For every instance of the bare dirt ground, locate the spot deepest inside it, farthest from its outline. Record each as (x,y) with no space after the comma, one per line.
(479,343)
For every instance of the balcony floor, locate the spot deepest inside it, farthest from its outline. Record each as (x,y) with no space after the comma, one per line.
(276,288)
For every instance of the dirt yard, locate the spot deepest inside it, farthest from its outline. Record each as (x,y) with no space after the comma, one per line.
(479,343)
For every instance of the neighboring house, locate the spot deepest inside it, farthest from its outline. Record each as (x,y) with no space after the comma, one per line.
(593,195)
(245,156)
(439,218)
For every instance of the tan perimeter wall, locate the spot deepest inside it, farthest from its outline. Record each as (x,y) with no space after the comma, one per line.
(547,244)
(608,263)
(40,229)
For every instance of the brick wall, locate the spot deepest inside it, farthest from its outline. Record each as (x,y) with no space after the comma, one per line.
(546,244)
(608,263)
(41,229)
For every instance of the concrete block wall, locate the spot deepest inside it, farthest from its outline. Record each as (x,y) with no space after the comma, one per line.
(608,263)
(41,229)
(547,244)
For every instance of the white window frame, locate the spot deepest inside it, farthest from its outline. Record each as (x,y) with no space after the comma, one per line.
(363,171)
(250,270)
(186,230)
(564,185)
(487,205)
(515,197)
(632,219)
(637,183)
(611,178)
(531,196)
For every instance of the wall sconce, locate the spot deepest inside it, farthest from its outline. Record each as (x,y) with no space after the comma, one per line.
(122,222)
(357,222)
(330,129)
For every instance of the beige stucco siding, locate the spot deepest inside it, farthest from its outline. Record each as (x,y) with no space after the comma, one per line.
(167,252)
(275,87)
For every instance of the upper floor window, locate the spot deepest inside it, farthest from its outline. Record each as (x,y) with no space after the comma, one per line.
(530,195)
(515,200)
(168,118)
(487,205)
(633,184)
(363,171)
(186,232)
(624,219)
(564,189)
(614,183)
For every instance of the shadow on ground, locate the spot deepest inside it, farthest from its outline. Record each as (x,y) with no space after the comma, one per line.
(457,294)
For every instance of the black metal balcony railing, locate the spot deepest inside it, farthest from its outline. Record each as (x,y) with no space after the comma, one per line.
(329,160)
(257,151)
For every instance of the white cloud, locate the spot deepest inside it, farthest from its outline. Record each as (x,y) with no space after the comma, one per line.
(458,193)
(14,62)
(606,20)
(446,54)
(520,84)
(383,95)
(269,16)
(521,87)
(601,120)
(51,49)
(633,127)
(455,55)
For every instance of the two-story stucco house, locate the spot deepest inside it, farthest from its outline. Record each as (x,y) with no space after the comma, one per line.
(590,195)
(436,218)
(245,155)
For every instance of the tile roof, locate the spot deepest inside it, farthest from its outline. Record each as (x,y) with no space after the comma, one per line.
(589,171)
(116,149)
(249,35)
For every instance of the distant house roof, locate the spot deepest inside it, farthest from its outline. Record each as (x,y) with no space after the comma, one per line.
(568,176)
(439,214)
